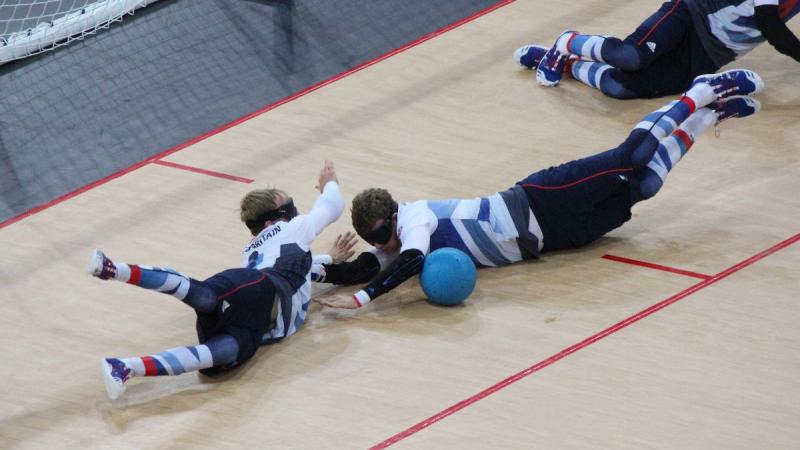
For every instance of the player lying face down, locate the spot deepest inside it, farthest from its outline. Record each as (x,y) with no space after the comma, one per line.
(558,208)
(239,309)
(664,54)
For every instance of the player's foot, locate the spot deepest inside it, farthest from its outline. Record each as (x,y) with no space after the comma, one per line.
(115,374)
(736,106)
(101,266)
(530,55)
(732,82)
(562,42)
(551,68)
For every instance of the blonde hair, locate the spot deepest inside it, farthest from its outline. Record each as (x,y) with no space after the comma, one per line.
(256,203)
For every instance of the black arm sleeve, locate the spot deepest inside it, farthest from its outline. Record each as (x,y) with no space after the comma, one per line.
(359,270)
(776,32)
(408,264)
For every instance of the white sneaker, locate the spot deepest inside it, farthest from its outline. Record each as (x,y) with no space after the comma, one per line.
(101,266)
(115,374)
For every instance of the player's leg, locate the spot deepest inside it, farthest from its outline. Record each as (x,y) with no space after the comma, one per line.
(577,202)
(167,281)
(217,351)
(631,155)
(672,148)
(601,76)
(660,34)
(572,218)
(705,90)
(229,334)
(668,75)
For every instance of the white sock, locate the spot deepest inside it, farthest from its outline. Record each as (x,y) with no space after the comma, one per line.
(702,94)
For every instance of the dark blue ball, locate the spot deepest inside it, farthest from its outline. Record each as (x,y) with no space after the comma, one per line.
(448,276)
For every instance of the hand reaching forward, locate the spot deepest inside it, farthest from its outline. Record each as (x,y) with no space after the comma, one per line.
(342,249)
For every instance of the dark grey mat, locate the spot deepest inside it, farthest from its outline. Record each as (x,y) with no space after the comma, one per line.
(175,70)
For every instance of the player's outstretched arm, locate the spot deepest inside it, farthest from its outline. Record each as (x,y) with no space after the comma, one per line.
(360,270)
(775,30)
(330,204)
(407,264)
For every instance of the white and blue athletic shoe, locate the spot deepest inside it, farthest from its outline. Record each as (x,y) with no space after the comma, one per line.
(101,266)
(732,82)
(530,55)
(115,374)
(551,68)
(736,106)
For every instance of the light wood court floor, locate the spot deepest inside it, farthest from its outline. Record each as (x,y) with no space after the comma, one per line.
(717,367)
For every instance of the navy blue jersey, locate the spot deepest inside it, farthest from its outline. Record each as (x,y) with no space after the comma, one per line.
(728,28)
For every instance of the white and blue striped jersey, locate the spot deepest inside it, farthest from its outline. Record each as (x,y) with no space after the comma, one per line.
(283,252)
(728,28)
(496,230)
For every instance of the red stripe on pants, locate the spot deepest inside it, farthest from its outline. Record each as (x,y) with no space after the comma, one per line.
(653,28)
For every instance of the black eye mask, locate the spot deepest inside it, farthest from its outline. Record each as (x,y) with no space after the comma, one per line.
(286,212)
(381,235)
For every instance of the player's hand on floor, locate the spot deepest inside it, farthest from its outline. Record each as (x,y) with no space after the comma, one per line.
(344,301)
(342,249)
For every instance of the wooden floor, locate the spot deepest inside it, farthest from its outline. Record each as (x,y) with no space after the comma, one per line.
(717,367)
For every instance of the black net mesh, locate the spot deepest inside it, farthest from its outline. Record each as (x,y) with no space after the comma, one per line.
(175,70)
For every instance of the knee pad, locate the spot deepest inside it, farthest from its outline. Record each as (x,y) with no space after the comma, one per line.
(650,184)
(624,56)
(644,151)
(614,89)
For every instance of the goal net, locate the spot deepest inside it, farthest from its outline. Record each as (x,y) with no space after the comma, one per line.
(28,27)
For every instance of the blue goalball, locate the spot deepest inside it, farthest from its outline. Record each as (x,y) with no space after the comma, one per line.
(448,276)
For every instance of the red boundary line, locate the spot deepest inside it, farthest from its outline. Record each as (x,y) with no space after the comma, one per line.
(656,266)
(203,171)
(247,117)
(584,343)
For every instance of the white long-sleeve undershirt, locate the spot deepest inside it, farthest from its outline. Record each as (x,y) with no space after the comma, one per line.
(327,208)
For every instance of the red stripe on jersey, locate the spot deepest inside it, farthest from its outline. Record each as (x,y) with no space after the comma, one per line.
(150,368)
(136,275)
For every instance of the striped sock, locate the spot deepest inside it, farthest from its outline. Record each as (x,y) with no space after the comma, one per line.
(662,122)
(174,361)
(587,72)
(159,279)
(672,148)
(586,46)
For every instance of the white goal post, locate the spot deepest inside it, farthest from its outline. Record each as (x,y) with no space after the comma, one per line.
(56,23)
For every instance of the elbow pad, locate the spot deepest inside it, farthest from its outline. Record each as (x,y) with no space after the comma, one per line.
(408,264)
(360,270)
